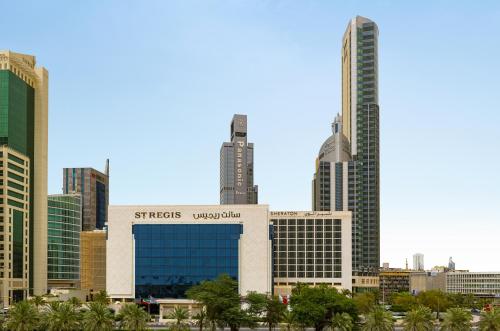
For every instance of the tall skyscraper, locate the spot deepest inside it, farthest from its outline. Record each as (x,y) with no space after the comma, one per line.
(347,167)
(24,130)
(94,188)
(236,166)
(418,261)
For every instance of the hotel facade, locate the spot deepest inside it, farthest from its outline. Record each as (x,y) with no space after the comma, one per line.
(161,251)
(311,248)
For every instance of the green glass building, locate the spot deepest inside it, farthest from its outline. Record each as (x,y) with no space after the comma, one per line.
(64,227)
(23,129)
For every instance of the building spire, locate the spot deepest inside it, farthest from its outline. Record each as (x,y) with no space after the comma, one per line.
(106,170)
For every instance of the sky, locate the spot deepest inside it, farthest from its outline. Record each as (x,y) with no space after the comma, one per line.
(153,85)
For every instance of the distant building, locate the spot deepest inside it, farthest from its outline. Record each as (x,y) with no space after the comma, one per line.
(236,167)
(451,265)
(94,188)
(65,224)
(311,248)
(418,262)
(480,284)
(93,260)
(425,281)
(393,281)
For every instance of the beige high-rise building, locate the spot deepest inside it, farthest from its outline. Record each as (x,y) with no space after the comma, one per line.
(93,260)
(24,129)
(14,225)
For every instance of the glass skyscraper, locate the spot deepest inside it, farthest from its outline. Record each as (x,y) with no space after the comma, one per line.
(65,224)
(347,169)
(236,166)
(23,129)
(93,186)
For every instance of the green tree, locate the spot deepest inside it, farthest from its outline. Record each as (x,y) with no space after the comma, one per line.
(37,300)
(315,306)
(133,317)
(403,301)
(364,302)
(490,321)
(98,318)
(61,317)
(77,303)
(274,312)
(378,319)
(342,322)
(436,300)
(288,319)
(456,319)
(419,319)
(257,303)
(179,314)
(200,318)
(102,297)
(217,297)
(23,316)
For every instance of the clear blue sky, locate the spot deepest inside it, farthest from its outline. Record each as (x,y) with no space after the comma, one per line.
(153,86)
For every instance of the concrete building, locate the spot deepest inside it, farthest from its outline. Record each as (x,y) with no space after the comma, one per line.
(24,129)
(161,251)
(426,281)
(64,227)
(236,166)
(393,281)
(93,260)
(480,284)
(94,188)
(311,248)
(418,262)
(347,168)
(14,225)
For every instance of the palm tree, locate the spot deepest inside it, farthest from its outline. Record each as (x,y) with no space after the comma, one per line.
(75,302)
(23,316)
(133,317)
(378,319)
(38,301)
(288,319)
(342,322)
(102,297)
(456,319)
(490,321)
(179,314)
(61,317)
(97,318)
(419,319)
(201,318)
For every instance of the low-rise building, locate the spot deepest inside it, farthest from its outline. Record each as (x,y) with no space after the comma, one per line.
(481,284)
(161,251)
(312,248)
(393,281)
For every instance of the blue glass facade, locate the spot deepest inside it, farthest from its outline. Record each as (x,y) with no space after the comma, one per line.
(170,258)
(101,205)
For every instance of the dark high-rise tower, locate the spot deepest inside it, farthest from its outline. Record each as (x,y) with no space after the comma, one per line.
(93,185)
(236,166)
(352,182)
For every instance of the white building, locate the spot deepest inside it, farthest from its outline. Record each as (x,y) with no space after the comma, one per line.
(161,251)
(482,284)
(418,262)
(313,247)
